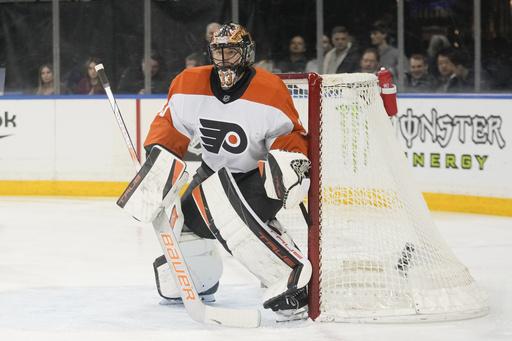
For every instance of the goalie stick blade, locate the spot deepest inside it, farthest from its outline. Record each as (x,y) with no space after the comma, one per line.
(217,316)
(232,317)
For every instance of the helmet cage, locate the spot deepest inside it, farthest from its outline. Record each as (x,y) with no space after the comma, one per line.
(221,63)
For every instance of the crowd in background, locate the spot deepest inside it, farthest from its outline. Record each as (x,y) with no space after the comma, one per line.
(438,53)
(444,68)
(131,80)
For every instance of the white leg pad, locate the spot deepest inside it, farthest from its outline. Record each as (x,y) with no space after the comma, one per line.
(203,260)
(269,255)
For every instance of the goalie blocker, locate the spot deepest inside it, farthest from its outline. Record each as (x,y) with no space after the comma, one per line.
(156,185)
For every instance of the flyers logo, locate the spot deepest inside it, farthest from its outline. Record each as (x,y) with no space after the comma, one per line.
(216,135)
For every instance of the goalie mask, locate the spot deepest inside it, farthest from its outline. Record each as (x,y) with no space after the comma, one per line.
(231,51)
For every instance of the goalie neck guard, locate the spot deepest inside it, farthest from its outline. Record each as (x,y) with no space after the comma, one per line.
(231,51)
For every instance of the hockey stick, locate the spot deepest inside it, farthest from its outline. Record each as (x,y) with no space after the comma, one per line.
(197,310)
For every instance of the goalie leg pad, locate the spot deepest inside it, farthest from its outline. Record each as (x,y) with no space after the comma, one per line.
(204,262)
(267,252)
(155,186)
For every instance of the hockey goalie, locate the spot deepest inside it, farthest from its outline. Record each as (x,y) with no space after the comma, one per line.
(254,163)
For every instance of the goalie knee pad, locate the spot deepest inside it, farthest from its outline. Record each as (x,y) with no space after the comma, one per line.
(203,260)
(266,251)
(155,186)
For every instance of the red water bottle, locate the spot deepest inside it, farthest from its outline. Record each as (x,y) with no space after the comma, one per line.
(385,80)
(387,91)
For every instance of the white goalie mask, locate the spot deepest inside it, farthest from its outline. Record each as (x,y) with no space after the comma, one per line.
(231,51)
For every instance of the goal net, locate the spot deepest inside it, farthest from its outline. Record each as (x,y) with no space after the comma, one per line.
(377,255)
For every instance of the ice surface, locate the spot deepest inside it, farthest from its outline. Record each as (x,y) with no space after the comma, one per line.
(81,269)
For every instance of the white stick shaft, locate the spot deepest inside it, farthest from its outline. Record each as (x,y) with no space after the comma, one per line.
(119,117)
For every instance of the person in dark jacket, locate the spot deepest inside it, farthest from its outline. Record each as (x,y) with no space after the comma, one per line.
(344,57)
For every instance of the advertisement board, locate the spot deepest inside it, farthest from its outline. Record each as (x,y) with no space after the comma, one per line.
(458,146)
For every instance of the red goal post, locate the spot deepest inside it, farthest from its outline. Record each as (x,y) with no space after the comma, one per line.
(313,83)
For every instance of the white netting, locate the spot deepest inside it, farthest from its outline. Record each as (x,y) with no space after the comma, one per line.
(382,257)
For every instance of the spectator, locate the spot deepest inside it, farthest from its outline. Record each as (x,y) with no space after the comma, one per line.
(296,61)
(370,62)
(90,84)
(465,76)
(46,85)
(210,30)
(343,57)
(419,79)
(436,43)
(193,60)
(132,80)
(208,34)
(387,53)
(445,68)
(312,65)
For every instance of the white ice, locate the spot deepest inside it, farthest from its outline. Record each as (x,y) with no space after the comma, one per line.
(81,269)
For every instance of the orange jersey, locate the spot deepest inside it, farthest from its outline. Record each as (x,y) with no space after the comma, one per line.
(236,129)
